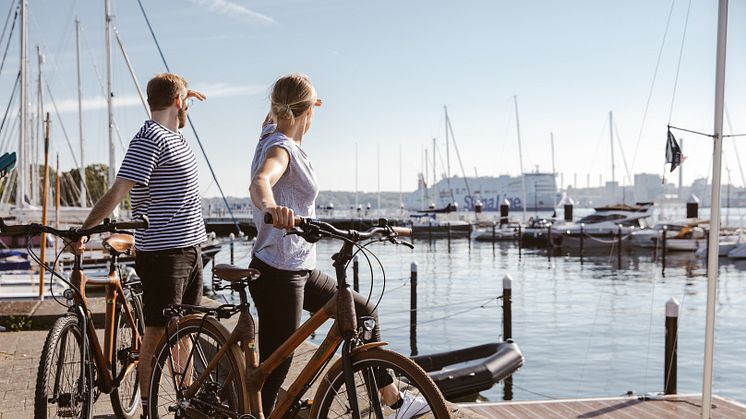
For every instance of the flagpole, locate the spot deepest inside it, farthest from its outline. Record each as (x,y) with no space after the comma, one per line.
(712,255)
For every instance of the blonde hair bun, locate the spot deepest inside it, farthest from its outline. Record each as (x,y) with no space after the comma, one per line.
(291,96)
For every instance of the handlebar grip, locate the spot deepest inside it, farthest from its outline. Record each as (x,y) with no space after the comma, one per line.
(268,219)
(137,224)
(13,230)
(402,231)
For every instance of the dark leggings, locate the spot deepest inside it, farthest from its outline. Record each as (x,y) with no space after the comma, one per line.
(280,296)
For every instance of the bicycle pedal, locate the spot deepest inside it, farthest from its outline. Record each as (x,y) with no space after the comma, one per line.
(306,404)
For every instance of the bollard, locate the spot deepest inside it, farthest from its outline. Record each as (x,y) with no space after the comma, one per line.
(413,308)
(508,388)
(356,274)
(549,242)
(468,238)
(582,241)
(619,247)
(672,327)
(430,232)
(692,207)
(504,210)
(212,271)
(507,310)
(448,232)
(232,237)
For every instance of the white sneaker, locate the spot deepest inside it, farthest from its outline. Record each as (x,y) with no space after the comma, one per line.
(413,406)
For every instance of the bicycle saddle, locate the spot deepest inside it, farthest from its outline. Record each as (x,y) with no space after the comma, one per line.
(119,244)
(232,273)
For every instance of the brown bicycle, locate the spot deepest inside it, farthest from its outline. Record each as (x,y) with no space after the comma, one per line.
(75,367)
(203,371)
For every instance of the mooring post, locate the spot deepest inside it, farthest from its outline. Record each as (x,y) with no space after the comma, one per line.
(549,242)
(619,247)
(468,238)
(664,250)
(413,308)
(356,273)
(507,309)
(707,245)
(430,232)
(448,232)
(672,327)
(232,238)
(582,241)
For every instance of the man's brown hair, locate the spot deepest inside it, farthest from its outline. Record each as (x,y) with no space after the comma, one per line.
(163,89)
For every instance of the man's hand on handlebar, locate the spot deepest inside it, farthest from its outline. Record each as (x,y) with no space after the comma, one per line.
(282,217)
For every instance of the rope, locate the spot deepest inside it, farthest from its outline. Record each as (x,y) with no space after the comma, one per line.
(448,316)
(7,19)
(652,84)
(189,118)
(10,102)
(678,65)
(7,44)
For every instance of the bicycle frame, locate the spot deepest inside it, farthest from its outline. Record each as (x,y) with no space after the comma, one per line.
(103,357)
(256,373)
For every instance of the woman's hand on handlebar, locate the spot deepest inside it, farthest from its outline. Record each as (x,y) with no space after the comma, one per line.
(282,217)
(78,246)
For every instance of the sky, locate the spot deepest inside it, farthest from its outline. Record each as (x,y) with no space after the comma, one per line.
(385,71)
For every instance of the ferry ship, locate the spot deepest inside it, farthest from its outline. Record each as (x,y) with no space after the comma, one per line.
(541,192)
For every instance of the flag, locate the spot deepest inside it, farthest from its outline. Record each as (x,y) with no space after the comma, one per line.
(673,151)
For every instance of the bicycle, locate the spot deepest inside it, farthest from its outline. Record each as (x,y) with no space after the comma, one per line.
(202,370)
(74,367)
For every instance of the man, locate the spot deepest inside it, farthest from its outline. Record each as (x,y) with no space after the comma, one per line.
(160,171)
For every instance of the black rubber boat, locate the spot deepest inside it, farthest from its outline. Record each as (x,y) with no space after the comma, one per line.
(484,365)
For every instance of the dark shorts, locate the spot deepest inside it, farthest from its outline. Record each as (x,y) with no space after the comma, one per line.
(172,276)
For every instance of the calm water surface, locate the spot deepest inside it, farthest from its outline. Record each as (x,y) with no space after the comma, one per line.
(585,330)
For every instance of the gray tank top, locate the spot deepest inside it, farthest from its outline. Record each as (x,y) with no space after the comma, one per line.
(296,189)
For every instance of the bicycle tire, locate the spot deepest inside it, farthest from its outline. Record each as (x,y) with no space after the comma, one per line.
(216,398)
(59,390)
(125,398)
(331,396)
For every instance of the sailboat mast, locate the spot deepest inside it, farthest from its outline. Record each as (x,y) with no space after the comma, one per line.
(713,239)
(435,177)
(83,198)
(378,174)
(40,112)
(520,156)
(681,170)
(554,172)
(611,143)
(448,154)
(356,203)
(22,169)
(109,104)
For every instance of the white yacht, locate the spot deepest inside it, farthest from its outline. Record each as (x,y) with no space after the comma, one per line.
(602,227)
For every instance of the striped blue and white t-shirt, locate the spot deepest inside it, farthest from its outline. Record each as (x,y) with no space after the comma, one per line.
(164,168)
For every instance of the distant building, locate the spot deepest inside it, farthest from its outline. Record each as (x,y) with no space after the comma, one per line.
(647,187)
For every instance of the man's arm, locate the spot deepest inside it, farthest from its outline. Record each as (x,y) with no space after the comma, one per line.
(274,166)
(105,206)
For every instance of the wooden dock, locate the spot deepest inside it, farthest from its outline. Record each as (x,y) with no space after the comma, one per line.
(677,406)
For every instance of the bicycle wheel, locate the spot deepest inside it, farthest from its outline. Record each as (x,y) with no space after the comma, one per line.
(125,398)
(63,382)
(369,367)
(190,346)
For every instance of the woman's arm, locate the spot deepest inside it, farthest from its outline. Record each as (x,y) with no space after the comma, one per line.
(274,166)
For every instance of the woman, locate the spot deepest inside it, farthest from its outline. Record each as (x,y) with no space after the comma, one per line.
(284,185)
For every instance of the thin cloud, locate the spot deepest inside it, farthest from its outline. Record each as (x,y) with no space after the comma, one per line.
(212,91)
(234,10)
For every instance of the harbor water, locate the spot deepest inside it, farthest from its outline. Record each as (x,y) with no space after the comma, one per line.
(590,329)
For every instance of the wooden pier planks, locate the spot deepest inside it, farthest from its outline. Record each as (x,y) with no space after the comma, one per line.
(679,407)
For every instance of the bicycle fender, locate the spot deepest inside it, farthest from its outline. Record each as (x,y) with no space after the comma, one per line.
(367,346)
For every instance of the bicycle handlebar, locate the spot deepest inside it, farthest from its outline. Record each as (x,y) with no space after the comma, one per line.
(382,228)
(73,233)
